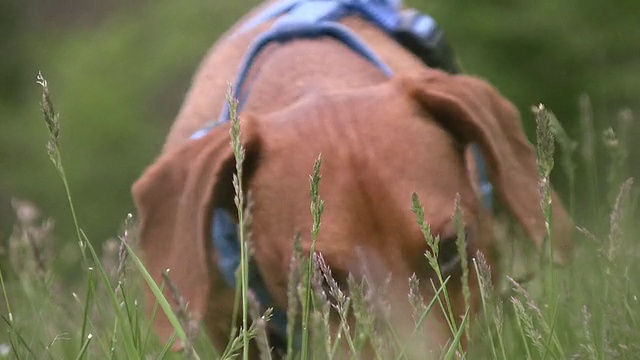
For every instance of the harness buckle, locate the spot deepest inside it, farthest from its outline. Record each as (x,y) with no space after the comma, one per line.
(419,34)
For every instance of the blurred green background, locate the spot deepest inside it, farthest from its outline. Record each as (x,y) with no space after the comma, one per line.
(118,71)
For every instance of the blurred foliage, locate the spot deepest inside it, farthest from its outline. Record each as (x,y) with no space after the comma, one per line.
(117,85)
(552,52)
(118,81)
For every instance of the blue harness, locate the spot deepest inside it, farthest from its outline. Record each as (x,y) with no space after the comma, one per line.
(297,19)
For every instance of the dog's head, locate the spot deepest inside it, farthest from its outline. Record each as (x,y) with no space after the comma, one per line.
(379,145)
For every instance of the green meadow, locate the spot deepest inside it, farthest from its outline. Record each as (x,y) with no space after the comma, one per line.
(73,140)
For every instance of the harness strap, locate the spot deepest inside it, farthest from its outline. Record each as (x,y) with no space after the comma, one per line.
(385,13)
(292,28)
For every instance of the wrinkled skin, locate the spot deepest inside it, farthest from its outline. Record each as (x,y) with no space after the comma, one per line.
(380,139)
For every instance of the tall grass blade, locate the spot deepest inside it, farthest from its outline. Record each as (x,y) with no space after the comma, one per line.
(87,305)
(317,207)
(162,301)
(568,147)
(422,318)
(6,298)
(461,244)
(456,343)
(239,154)
(21,339)
(167,346)
(83,349)
(51,118)
(432,259)
(293,281)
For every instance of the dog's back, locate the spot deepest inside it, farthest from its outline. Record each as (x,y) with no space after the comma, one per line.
(207,93)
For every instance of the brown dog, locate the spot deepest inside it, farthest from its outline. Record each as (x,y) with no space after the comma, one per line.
(381,140)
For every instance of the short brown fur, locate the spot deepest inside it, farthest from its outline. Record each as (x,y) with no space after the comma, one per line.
(380,140)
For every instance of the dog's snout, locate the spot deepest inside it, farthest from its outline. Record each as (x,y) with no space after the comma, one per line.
(449,257)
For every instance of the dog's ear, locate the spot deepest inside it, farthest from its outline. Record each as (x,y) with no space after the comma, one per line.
(475,112)
(174,198)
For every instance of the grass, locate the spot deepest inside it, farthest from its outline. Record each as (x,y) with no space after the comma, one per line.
(587,310)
